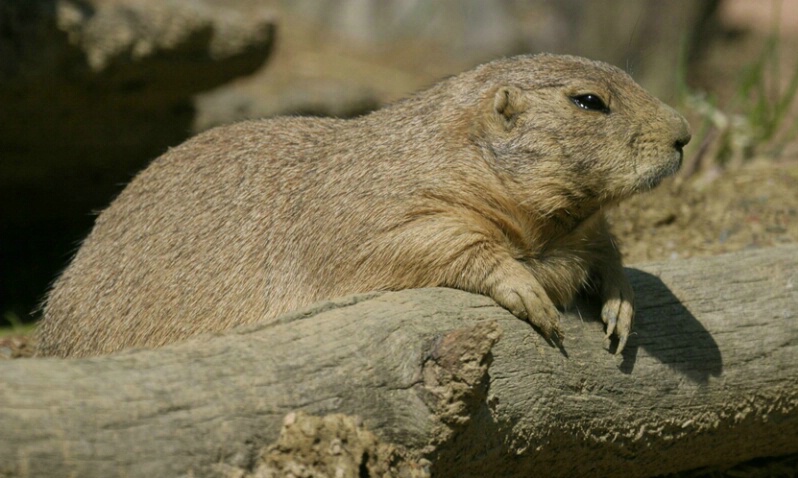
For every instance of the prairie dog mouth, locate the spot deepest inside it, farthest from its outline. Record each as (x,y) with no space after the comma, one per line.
(658,175)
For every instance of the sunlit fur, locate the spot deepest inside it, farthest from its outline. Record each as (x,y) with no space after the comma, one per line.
(492,181)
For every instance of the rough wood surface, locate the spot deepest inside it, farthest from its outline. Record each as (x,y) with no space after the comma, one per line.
(708,379)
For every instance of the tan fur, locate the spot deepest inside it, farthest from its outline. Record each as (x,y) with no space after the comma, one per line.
(493,181)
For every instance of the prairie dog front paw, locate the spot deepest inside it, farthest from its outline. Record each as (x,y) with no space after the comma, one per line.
(524,297)
(618,311)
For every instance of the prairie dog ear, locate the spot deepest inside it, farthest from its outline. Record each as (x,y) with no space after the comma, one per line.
(508,103)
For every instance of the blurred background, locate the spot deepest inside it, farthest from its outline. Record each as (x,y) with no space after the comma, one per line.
(92,90)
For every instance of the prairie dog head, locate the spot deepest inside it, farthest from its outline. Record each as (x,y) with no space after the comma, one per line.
(576,129)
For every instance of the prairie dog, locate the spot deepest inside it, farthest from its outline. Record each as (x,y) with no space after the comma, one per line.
(493,181)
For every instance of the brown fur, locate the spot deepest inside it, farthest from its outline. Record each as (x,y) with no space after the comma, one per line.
(493,181)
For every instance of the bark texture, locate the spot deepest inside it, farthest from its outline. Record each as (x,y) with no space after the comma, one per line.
(448,381)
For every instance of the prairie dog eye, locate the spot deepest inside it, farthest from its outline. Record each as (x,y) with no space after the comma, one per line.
(590,102)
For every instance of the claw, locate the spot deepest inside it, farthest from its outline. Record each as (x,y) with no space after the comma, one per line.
(558,336)
(611,320)
(621,344)
(551,332)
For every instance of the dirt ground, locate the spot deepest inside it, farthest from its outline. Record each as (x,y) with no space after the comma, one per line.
(755,205)
(747,204)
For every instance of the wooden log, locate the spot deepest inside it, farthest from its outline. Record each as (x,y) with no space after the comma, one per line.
(708,379)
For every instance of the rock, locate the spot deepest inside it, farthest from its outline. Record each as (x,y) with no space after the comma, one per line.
(91,90)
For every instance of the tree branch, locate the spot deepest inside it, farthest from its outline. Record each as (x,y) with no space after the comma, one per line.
(708,379)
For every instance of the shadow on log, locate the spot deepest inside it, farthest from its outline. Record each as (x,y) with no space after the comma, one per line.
(669,332)
(451,383)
